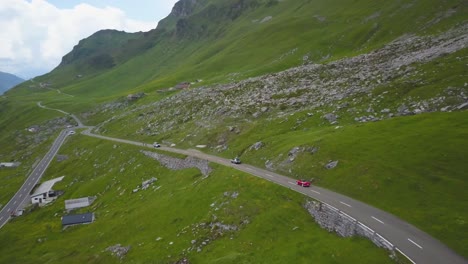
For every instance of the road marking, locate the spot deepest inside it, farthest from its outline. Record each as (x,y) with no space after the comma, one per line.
(405,255)
(345,204)
(293,183)
(29,184)
(269,175)
(21,195)
(249,169)
(414,243)
(14,202)
(315,191)
(378,220)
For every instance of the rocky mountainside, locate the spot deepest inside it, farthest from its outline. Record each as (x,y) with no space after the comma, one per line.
(220,41)
(97,51)
(363,88)
(8,81)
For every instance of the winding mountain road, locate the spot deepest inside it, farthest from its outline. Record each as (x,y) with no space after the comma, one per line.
(416,245)
(24,192)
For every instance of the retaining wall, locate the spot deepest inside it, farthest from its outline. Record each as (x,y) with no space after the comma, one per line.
(332,219)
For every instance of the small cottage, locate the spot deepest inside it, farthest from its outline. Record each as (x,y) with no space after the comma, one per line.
(70,220)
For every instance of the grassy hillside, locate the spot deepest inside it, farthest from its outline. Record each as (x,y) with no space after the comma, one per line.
(420,158)
(284,111)
(381,88)
(162,222)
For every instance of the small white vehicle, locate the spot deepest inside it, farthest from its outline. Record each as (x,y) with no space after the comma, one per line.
(236,160)
(156,145)
(71,132)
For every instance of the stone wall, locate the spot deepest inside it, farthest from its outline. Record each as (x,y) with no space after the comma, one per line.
(334,220)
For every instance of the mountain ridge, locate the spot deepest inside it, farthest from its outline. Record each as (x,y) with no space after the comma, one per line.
(8,80)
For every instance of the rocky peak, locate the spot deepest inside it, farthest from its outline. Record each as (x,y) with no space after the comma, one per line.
(184,8)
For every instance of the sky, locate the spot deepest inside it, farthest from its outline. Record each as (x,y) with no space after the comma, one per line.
(36,34)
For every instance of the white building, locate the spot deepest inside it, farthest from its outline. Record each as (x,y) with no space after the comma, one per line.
(44,193)
(9,164)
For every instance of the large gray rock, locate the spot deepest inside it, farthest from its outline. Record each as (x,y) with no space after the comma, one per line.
(463,106)
(118,251)
(330,118)
(257,145)
(269,165)
(331,164)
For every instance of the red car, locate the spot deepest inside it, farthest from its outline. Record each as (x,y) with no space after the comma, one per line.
(303,183)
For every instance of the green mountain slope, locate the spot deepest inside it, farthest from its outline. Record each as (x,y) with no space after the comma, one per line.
(224,40)
(379,86)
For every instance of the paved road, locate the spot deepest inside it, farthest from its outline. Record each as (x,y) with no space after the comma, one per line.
(23,193)
(415,244)
(78,121)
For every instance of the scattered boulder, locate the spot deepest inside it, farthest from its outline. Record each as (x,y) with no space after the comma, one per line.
(266,19)
(232,195)
(463,106)
(257,145)
(331,164)
(147,183)
(269,165)
(403,110)
(182,261)
(312,150)
(330,118)
(292,154)
(118,251)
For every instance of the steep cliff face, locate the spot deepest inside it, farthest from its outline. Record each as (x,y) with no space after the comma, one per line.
(181,9)
(184,8)
(203,19)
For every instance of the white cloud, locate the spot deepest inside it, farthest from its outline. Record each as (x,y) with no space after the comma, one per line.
(35,35)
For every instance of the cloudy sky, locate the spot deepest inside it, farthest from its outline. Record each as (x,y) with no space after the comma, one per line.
(36,34)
